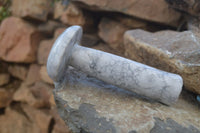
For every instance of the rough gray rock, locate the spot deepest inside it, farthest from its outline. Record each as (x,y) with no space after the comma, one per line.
(91,106)
(176,52)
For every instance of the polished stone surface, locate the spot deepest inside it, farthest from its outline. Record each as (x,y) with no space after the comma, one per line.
(127,74)
(144,80)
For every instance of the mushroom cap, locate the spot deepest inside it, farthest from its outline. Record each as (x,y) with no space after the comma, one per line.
(61,51)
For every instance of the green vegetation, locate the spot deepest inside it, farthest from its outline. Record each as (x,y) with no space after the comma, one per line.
(4,9)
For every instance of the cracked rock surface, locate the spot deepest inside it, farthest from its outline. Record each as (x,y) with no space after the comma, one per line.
(92,106)
(176,52)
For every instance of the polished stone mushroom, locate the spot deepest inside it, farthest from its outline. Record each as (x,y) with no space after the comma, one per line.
(124,73)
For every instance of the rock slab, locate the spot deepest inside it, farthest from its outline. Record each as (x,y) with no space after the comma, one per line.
(156,11)
(89,105)
(176,52)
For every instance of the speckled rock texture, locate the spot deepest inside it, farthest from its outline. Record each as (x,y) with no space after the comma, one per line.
(92,106)
(177,52)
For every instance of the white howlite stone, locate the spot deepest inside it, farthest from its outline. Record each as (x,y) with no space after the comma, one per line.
(124,73)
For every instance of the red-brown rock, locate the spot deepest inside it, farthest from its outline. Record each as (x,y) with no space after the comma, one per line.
(89,40)
(60,126)
(45,47)
(73,15)
(59,8)
(156,11)
(52,100)
(34,9)
(59,31)
(36,96)
(18,71)
(13,85)
(15,122)
(104,47)
(44,75)
(49,27)
(43,51)
(18,40)
(42,92)
(112,33)
(24,119)
(39,118)
(5,97)
(24,95)
(131,22)
(4,78)
(33,74)
(4,67)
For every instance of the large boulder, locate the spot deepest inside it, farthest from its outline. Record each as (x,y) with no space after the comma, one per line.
(177,52)
(18,40)
(92,106)
(156,11)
